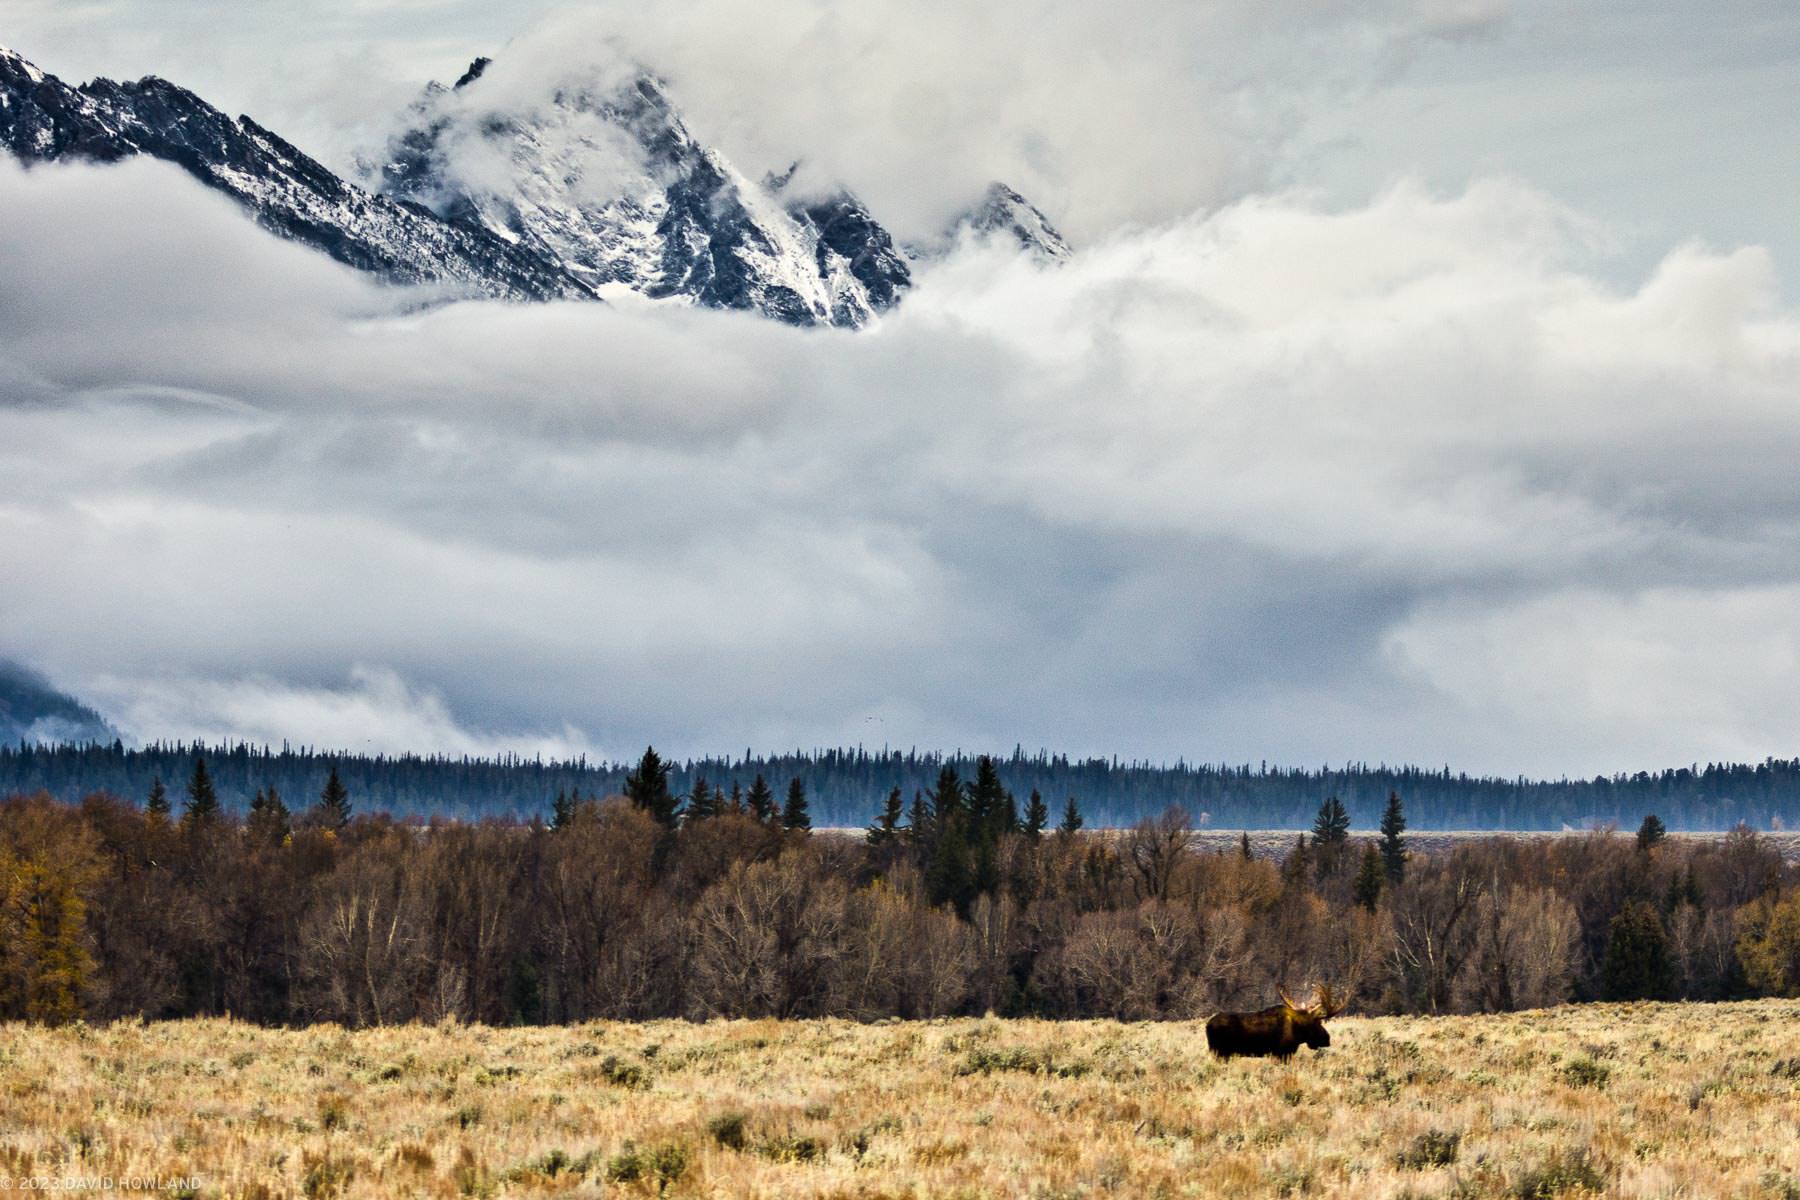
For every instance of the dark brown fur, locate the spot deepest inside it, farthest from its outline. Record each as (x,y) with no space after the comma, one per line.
(1277,1032)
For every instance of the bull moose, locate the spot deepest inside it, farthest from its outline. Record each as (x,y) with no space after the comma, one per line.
(1277,1031)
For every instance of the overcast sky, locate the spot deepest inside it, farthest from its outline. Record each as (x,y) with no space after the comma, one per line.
(1422,390)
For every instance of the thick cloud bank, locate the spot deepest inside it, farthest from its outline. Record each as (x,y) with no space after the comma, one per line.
(916,104)
(1397,482)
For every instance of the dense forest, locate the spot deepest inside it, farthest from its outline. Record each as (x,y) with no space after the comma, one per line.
(725,902)
(846,785)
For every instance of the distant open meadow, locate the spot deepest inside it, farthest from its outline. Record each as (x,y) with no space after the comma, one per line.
(1634,1100)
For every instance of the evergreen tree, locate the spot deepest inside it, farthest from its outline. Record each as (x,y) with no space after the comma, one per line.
(793,814)
(701,804)
(1370,876)
(1689,892)
(563,811)
(762,800)
(887,823)
(1244,846)
(948,876)
(648,787)
(1393,845)
(157,806)
(990,807)
(269,818)
(946,798)
(920,834)
(1332,826)
(203,799)
(334,802)
(1037,816)
(1071,822)
(1651,832)
(1637,964)
(1331,837)
(737,798)
(984,874)
(1298,865)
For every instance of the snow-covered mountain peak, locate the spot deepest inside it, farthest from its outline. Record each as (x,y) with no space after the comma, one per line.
(598,171)
(44,119)
(20,64)
(1003,213)
(534,177)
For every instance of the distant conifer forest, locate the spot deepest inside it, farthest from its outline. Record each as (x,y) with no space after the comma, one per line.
(848,787)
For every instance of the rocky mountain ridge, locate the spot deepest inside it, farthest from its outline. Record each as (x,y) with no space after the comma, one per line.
(595,189)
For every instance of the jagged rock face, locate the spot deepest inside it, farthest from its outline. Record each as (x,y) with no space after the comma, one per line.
(43,119)
(588,190)
(1003,213)
(846,229)
(606,178)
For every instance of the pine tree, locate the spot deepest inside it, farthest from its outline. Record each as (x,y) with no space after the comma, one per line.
(203,799)
(157,806)
(947,798)
(1071,822)
(762,800)
(49,947)
(737,798)
(920,833)
(1690,888)
(563,811)
(1298,864)
(1037,816)
(947,877)
(1370,876)
(793,814)
(648,788)
(1651,832)
(1332,826)
(1393,845)
(1244,846)
(701,804)
(990,809)
(887,823)
(269,818)
(1331,837)
(1637,964)
(334,802)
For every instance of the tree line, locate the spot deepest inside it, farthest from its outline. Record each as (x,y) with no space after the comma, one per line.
(847,783)
(720,900)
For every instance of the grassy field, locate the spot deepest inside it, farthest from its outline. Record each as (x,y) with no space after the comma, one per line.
(1626,1100)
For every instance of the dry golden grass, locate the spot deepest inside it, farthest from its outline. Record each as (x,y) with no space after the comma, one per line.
(1626,1100)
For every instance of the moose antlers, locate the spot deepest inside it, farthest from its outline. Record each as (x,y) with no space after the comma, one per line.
(1325,1001)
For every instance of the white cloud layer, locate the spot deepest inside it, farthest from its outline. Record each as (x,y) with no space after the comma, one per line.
(1400,481)
(917,104)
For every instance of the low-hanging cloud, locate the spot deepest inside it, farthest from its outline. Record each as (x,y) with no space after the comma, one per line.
(1399,481)
(915,104)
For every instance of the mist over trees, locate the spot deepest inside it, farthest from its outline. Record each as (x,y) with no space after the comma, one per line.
(709,903)
(843,788)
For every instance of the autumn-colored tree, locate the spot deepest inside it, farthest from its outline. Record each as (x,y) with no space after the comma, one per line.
(49,867)
(1768,944)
